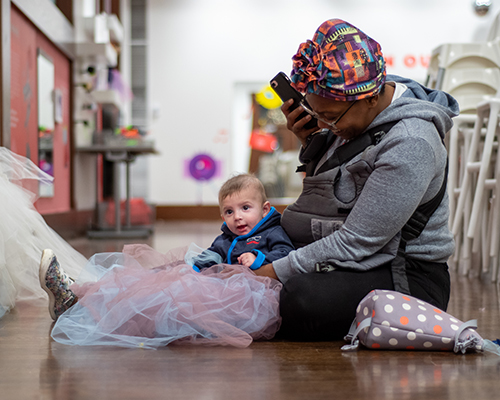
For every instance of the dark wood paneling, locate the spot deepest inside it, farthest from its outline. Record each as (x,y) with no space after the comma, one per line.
(70,224)
(187,212)
(193,212)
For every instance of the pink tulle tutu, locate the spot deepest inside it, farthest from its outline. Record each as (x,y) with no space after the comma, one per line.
(141,298)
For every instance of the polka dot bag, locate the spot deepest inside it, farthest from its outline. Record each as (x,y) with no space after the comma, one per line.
(391,320)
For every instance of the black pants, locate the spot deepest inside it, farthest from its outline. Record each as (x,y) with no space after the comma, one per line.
(322,306)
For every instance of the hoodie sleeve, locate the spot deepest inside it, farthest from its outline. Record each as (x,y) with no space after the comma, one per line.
(399,182)
(206,259)
(279,245)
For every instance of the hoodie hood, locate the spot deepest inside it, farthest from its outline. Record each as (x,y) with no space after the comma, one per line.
(418,101)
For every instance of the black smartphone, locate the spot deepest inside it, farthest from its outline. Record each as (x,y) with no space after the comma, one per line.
(282,86)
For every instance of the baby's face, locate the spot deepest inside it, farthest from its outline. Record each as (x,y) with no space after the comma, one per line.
(243,210)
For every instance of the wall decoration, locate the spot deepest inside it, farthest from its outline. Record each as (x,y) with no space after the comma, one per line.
(46,114)
(202,167)
(263,141)
(221,137)
(268,98)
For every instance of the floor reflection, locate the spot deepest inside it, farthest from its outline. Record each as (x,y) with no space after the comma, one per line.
(404,375)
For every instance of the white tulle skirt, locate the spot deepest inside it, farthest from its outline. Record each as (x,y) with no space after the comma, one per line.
(24,233)
(141,298)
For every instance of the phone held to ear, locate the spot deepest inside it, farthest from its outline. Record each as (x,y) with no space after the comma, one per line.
(282,86)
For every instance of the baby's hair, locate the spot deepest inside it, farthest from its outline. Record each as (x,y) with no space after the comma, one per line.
(240,182)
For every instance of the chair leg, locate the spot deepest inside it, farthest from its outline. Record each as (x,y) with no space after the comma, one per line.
(457,139)
(466,180)
(485,234)
(466,253)
(485,165)
(453,170)
(495,220)
(494,269)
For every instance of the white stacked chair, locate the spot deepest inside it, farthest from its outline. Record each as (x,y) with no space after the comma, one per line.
(469,86)
(472,223)
(459,56)
(471,73)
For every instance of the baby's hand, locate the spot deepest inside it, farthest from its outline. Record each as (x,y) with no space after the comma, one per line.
(247,259)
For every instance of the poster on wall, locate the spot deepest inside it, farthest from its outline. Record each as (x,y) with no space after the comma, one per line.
(46,116)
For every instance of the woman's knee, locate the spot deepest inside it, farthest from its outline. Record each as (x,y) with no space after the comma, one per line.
(311,309)
(297,297)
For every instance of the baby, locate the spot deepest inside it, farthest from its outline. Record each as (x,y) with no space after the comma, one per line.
(252,234)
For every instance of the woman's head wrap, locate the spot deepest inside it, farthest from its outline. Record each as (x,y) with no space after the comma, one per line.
(340,63)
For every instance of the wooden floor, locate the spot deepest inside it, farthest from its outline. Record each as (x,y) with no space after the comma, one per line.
(32,366)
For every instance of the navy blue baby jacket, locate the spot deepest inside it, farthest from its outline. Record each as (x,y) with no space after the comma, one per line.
(267,240)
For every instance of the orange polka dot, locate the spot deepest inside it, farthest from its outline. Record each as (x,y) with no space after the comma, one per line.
(404,320)
(375,346)
(410,347)
(438,311)
(406,298)
(373,313)
(438,329)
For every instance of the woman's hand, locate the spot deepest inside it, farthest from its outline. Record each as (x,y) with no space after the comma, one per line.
(297,127)
(266,270)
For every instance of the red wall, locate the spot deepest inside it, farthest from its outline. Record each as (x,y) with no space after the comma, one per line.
(23,112)
(26,39)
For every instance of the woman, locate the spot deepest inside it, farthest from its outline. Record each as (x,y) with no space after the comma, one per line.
(379,158)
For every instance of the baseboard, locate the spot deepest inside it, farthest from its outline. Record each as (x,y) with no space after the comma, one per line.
(74,224)
(187,213)
(71,224)
(193,212)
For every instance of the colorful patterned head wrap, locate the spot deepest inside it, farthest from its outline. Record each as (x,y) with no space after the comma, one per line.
(340,63)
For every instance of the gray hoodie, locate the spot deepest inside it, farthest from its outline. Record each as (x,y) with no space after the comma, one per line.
(383,186)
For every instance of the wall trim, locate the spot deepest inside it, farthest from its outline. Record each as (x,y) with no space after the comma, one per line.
(194,212)
(187,212)
(47,17)
(5,73)
(73,224)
